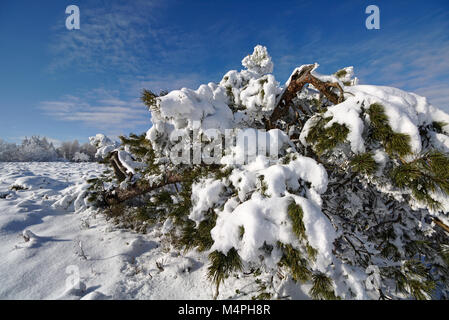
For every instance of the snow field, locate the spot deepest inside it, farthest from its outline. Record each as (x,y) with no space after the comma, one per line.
(49,242)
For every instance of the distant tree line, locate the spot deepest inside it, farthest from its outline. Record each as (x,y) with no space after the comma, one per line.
(40,149)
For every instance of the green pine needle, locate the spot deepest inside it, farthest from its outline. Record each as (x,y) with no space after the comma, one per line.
(364,163)
(322,288)
(393,142)
(221,265)
(293,260)
(296,216)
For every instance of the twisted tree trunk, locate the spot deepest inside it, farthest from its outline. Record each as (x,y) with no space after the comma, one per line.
(298,80)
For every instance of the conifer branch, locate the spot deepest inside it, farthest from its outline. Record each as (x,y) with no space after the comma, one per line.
(441,224)
(119,195)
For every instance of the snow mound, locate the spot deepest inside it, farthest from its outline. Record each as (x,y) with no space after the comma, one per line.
(39,182)
(406,112)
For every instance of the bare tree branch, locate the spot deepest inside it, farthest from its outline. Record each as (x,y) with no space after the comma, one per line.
(297,81)
(441,224)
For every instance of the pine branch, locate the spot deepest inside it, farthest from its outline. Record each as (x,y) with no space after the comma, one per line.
(139,188)
(441,224)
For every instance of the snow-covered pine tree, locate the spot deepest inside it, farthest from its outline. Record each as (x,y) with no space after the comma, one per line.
(352,205)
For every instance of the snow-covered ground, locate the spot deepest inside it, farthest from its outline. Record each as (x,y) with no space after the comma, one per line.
(47,240)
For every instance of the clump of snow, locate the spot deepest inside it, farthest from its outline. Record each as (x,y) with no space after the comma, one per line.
(29,236)
(95,295)
(279,177)
(73,198)
(346,75)
(320,232)
(260,94)
(204,195)
(259,61)
(265,222)
(404,110)
(441,141)
(185,109)
(348,113)
(103,144)
(128,162)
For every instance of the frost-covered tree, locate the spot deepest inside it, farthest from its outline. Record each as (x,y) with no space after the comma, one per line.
(36,149)
(40,149)
(88,150)
(341,187)
(31,149)
(68,149)
(81,157)
(8,151)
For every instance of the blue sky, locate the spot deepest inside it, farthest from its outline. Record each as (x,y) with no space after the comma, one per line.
(73,84)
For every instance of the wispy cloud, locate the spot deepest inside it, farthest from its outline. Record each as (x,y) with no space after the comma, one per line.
(107,113)
(112,36)
(127,38)
(417,63)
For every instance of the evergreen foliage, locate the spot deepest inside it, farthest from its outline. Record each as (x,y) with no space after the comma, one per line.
(221,265)
(325,138)
(424,176)
(296,215)
(364,163)
(393,142)
(292,259)
(322,288)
